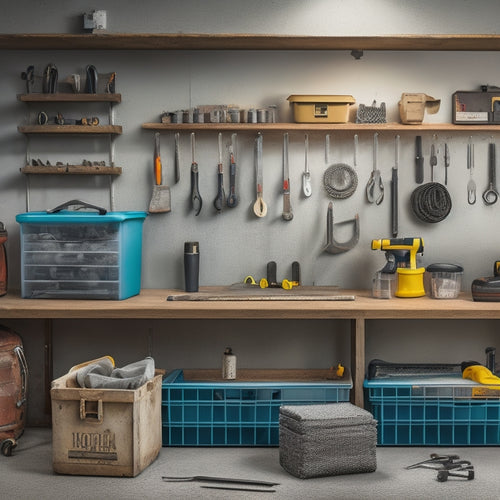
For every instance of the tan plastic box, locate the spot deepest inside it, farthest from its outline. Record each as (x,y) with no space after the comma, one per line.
(321,108)
(105,432)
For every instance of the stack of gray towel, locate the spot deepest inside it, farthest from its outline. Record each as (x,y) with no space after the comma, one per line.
(103,375)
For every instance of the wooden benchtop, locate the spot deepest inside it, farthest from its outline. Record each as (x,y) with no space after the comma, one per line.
(152,303)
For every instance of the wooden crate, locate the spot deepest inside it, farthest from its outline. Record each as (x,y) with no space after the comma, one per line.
(105,432)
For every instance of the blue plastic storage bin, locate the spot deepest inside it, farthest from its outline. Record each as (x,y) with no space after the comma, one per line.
(208,413)
(81,255)
(434,411)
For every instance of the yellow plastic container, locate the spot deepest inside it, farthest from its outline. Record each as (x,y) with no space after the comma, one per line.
(321,108)
(410,282)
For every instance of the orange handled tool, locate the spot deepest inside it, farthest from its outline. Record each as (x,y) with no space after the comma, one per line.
(157,161)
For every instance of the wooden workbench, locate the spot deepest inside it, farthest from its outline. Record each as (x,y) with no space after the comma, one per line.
(152,304)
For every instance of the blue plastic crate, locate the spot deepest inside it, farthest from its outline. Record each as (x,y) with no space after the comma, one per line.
(207,413)
(81,255)
(434,411)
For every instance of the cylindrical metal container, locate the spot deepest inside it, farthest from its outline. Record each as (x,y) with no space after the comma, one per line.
(228,364)
(13,389)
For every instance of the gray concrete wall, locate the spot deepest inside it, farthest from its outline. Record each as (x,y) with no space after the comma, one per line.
(236,243)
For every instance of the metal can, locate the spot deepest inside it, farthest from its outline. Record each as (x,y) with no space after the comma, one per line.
(228,364)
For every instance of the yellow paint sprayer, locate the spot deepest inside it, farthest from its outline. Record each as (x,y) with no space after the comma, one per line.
(401,256)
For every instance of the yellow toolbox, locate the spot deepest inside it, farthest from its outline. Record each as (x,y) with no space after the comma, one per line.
(321,108)
(105,432)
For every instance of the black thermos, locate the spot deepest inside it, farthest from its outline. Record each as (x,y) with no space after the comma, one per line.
(191,265)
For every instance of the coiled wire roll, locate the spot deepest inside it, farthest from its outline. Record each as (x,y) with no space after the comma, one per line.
(340,180)
(431,202)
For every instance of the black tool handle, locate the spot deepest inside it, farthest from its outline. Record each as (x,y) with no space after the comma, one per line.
(296,272)
(419,161)
(394,202)
(271,273)
(232,199)
(195,193)
(219,199)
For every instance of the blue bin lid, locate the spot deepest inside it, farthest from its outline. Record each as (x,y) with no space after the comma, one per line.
(75,216)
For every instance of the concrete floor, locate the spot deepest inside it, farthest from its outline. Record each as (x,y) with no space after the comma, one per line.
(28,474)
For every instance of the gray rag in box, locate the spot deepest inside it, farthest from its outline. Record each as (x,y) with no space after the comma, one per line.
(327,440)
(103,375)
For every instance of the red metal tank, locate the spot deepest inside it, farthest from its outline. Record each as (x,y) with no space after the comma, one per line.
(13,389)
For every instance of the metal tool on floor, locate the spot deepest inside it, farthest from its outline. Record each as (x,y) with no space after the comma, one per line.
(160,199)
(215,479)
(447,466)
(259,207)
(340,180)
(471,184)
(287,213)
(419,160)
(220,199)
(490,196)
(306,176)
(375,186)
(394,191)
(196,200)
(232,199)
(435,459)
(332,245)
(238,488)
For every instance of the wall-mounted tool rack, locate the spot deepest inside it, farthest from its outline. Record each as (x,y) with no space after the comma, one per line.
(312,127)
(109,130)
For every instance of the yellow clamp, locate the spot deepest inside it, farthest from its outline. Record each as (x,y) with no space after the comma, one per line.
(249,280)
(264,283)
(288,285)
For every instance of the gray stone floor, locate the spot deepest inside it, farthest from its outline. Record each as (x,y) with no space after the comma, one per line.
(28,474)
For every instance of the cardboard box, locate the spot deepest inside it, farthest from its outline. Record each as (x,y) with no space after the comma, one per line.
(105,432)
(321,108)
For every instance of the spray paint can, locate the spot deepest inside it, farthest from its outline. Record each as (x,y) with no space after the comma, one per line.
(228,364)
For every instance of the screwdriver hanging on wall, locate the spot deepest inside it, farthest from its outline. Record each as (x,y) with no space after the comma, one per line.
(220,198)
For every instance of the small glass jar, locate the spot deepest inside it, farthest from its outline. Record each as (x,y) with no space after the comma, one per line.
(445,280)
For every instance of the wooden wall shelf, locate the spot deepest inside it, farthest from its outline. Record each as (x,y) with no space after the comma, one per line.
(70,129)
(169,41)
(68,97)
(71,170)
(311,127)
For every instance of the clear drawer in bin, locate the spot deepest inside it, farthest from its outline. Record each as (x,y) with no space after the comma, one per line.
(71,273)
(51,245)
(72,290)
(72,258)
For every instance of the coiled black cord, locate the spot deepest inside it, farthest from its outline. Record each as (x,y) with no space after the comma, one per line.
(431,202)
